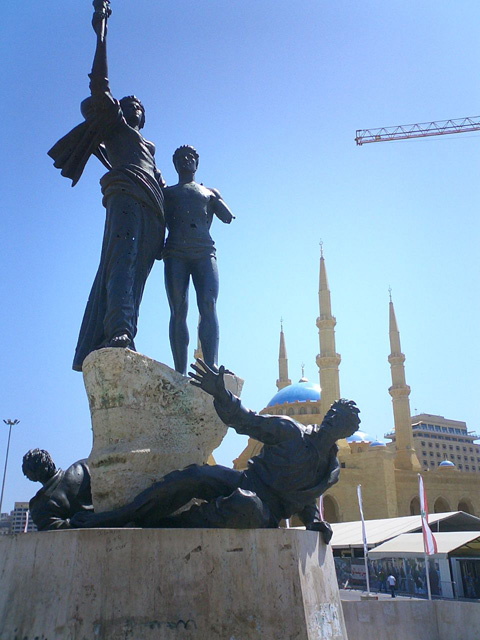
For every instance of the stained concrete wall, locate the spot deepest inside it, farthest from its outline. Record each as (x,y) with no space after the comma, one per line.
(154,584)
(412,620)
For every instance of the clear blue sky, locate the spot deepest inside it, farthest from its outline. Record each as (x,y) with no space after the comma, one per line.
(270,92)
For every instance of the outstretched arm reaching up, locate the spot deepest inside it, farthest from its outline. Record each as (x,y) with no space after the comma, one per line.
(266,429)
(210,381)
(71,153)
(99,74)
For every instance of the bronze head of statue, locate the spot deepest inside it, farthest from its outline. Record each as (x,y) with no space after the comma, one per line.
(185,159)
(38,465)
(133,111)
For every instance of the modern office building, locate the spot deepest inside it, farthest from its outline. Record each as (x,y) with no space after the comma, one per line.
(438,440)
(20,519)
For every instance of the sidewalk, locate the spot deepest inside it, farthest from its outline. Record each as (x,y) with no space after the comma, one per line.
(354,594)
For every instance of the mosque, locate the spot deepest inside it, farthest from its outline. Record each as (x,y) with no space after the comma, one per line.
(443,450)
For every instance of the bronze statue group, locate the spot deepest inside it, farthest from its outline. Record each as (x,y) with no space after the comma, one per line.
(139,207)
(297,463)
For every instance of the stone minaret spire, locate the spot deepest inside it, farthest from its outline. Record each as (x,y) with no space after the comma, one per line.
(283,380)
(405,456)
(328,359)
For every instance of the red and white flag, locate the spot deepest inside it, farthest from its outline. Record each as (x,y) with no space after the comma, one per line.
(320,508)
(429,541)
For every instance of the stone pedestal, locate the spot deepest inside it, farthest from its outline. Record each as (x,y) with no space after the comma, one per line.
(147,420)
(154,584)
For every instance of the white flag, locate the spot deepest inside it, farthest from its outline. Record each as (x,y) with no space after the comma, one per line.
(429,541)
(364,535)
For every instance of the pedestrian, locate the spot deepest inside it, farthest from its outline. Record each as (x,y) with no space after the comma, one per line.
(382,581)
(392,581)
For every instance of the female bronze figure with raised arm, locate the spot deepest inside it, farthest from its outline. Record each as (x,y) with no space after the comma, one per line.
(132,196)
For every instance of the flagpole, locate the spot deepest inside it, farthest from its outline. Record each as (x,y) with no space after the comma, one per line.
(429,590)
(429,542)
(364,535)
(366,572)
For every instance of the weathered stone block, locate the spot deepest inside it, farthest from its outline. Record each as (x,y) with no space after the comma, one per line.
(154,584)
(147,420)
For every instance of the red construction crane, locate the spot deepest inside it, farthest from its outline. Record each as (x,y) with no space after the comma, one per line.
(420,130)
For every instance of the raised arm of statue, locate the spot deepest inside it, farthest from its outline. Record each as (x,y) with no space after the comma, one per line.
(267,429)
(99,74)
(71,153)
(100,17)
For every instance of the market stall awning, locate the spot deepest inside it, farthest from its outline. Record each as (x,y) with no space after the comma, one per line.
(411,545)
(349,534)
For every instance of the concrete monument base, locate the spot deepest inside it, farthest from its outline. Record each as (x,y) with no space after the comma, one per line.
(156,584)
(147,420)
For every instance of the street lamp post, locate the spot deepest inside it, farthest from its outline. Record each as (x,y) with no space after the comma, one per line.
(10,424)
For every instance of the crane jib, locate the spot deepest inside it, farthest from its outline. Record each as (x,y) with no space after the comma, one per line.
(419,130)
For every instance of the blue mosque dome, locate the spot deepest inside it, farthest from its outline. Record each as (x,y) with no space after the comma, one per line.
(377,443)
(359,436)
(446,463)
(299,392)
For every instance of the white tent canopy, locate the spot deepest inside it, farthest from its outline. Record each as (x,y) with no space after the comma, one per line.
(411,544)
(349,534)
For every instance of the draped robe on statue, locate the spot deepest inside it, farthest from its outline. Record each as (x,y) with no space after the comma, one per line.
(134,227)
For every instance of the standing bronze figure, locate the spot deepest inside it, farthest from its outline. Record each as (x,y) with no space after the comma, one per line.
(190,252)
(133,198)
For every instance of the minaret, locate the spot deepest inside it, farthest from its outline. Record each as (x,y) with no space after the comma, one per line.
(405,456)
(328,359)
(283,380)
